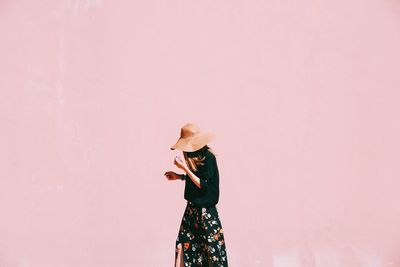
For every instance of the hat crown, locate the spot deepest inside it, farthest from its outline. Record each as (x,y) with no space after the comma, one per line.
(192,138)
(189,130)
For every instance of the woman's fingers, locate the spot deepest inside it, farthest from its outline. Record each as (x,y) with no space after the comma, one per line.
(178,160)
(170,175)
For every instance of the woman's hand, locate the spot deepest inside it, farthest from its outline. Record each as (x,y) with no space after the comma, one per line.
(180,163)
(172,175)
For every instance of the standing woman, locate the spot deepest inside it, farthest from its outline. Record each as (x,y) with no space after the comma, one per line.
(200,240)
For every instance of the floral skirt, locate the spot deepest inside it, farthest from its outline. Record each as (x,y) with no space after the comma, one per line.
(202,238)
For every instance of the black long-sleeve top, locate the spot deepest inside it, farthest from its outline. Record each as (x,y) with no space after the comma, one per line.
(208,194)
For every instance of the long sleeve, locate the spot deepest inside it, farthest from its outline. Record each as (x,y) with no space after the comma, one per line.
(210,174)
(207,194)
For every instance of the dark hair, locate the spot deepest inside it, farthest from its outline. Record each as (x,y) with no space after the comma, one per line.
(197,158)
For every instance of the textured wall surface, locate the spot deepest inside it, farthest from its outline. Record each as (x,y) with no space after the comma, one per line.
(303,97)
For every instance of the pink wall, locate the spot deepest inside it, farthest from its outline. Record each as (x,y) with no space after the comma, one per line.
(302,95)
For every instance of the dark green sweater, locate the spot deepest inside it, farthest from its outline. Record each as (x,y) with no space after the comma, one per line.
(208,194)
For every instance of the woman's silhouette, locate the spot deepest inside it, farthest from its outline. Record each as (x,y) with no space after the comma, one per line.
(200,240)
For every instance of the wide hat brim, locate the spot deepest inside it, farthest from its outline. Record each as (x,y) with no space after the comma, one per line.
(194,142)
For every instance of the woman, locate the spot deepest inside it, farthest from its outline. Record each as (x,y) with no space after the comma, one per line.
(200,240)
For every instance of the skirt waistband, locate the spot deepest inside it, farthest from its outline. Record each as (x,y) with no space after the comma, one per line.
(192,204)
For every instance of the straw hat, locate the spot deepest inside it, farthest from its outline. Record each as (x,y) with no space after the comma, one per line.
(192,138)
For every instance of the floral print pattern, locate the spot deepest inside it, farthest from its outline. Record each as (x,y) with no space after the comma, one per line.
(202,237)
